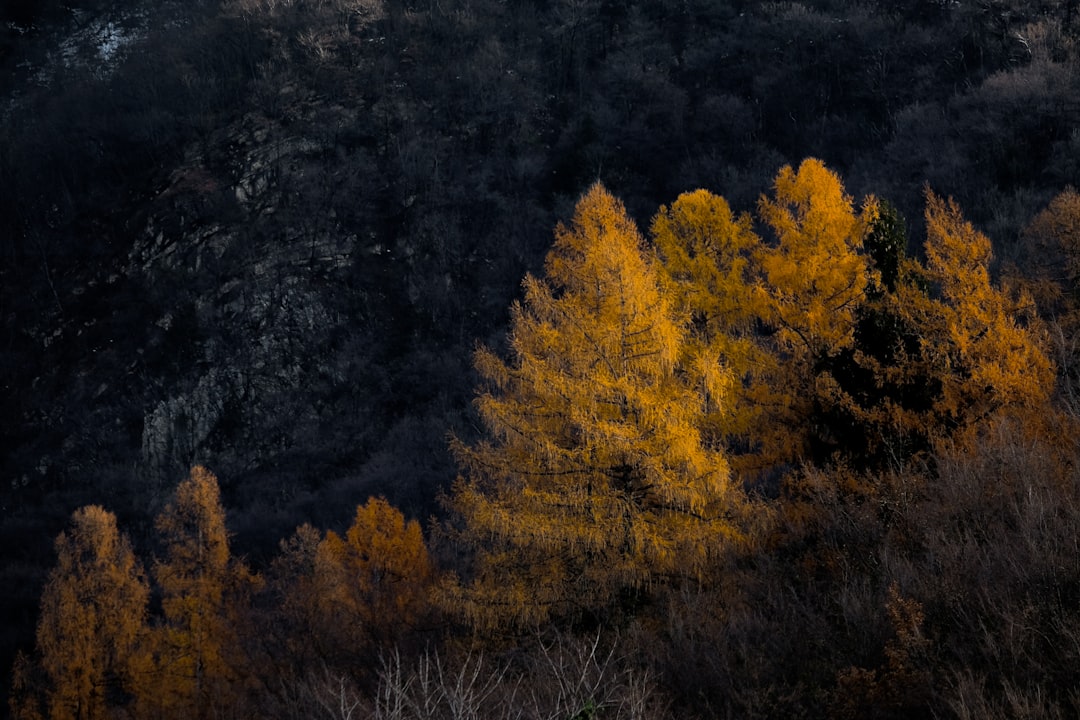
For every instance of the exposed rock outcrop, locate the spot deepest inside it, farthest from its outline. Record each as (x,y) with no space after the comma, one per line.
(266,294)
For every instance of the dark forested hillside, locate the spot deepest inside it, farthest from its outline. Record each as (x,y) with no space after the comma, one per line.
(266,236)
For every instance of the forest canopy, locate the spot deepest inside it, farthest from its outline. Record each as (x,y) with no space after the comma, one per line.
(788,402)
(659,459)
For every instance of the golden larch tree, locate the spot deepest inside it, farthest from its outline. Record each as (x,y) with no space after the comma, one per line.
(201,588)
(93,619)
(980,343)
(705,252)
(707,256)
(370,587)
(592,483)
(814,279)
(816,274)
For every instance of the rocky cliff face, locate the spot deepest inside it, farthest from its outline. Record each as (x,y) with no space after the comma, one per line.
(259,320)
(261,249)
(263,299)
(276,308)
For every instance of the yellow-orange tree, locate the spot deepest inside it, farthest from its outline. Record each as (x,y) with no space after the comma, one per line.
(592,483)
(973,337)
(378,574)
(201,591)
(705,254)
(93,619)
(346,599)
(814,279)
(815,274)
(1051,274)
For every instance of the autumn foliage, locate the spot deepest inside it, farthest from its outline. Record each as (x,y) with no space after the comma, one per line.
(348,599)
(777,459)
(93,620)
(594,482)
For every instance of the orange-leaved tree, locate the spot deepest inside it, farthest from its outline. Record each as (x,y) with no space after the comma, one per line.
(705,252)
(344,601)
(203,589)
(1051,274)
(814,280)
(383,570)
(706,255)
(816,274)
(980,343)
(592,483)
(372,584)
(92,623)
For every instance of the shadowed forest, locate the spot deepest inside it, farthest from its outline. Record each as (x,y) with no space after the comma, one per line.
(540,359)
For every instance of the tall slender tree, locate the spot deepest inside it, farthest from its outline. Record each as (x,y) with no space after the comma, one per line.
(93,620)
(983,345)
(706,255)
(592,483)
(201,588)
(814,280)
